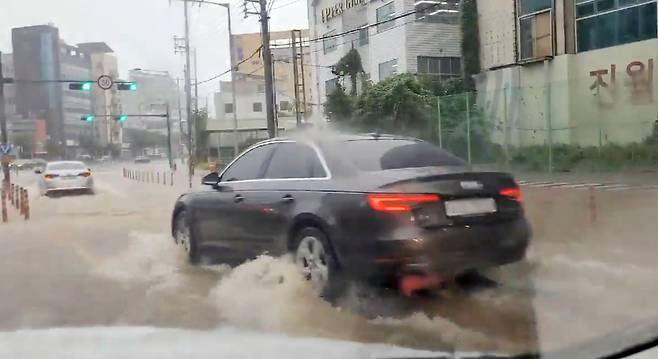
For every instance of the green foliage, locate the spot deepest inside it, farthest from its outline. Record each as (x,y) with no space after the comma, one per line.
(339,107)
(399,104)
(470,42)
(349,65)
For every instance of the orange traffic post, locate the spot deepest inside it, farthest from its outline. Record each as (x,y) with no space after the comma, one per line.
(22,209)
(4,206)
(26,205)
(11,194)
(172,178)
(17,198)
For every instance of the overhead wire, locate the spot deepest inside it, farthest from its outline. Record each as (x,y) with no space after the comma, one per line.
(257,51)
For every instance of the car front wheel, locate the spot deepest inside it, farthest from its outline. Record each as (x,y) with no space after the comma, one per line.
(317,263)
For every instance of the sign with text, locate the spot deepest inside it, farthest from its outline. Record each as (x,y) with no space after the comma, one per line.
(7,152)
(332,11)
(638,79)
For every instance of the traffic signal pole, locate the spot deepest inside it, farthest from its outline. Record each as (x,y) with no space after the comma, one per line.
(171,161)
(267,67)
(3,127)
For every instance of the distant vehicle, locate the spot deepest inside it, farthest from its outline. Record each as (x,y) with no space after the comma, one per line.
(106,158)
(27,164)
(85,158)
(381,208)
(64,176)
(142,159)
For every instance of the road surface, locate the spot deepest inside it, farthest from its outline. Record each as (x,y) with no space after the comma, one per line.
(109,260)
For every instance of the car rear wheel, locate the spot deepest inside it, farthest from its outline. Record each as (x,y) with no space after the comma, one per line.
(184,236)
(317,263)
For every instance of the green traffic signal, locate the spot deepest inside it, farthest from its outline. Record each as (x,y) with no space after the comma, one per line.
(127,86)
(87,118)
(81,86)
(122,118)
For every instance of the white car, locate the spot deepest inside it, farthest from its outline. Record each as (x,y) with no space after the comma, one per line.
(65,176)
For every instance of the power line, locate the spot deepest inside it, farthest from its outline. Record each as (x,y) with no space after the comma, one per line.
(285,4)
(229,70)
(331,36)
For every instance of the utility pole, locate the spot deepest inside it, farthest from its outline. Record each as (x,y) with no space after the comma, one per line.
(196,84)
(180,116)
(267,62)
(298,74)
(3,127)
(236,149)
(171,159)
(188,96)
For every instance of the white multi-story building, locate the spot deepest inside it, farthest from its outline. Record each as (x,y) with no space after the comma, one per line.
(427,41)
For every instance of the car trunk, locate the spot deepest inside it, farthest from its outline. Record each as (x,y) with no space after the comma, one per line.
(463,197)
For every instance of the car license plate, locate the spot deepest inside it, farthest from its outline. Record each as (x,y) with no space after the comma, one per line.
(470,207)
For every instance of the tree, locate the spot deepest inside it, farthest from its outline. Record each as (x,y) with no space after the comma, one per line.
(470,42)
(349,65)
(339,107)
(200,119)
(399,104)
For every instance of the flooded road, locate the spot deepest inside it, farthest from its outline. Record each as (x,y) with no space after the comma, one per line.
(109,260)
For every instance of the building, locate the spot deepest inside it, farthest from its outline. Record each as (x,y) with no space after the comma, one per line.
(419,37)
(155,89)
(568,71)
(251,64)
(41,56)
(251,115)
(106,102)
(9,91)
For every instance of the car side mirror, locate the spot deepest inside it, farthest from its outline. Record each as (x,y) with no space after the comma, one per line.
(38,171)
(210,179)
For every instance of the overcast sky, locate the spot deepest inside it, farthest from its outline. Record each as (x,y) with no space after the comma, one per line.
(141,31)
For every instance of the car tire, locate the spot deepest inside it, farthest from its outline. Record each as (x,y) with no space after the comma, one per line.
(184,235)
(316,260)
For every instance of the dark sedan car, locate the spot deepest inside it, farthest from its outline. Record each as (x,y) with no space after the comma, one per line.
(374,207)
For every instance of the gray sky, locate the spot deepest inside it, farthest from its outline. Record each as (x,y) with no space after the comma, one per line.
(141,31)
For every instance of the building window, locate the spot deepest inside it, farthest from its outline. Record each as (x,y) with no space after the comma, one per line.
(388,69)
(330,85)
(329,45)
(535,32)
(606,23)
(285,106)
(260,88)
(363,35)
(257,107)
(444,12)
(443,67)
(228,108)
(384,13)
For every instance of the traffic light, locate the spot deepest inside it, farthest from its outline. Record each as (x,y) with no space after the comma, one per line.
(81,86)
(121,118)
(87,118)
(127,86)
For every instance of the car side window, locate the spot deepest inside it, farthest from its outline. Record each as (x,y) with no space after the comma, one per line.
(248,166)
(294,160)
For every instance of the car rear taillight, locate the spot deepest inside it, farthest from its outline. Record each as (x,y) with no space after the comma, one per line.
(399,203)
(85,174)
(513,193)
(50,176)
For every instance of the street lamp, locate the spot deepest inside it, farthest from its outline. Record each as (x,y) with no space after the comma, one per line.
(230,40)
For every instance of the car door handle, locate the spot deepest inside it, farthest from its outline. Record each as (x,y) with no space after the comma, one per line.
(288,198)
(238,198)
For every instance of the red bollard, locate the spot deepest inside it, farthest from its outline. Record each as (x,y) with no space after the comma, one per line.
(4,206)
(26,205)
(172,178)
(11,194)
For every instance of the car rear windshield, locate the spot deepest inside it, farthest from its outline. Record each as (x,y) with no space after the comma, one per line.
(386,154)
(66,166)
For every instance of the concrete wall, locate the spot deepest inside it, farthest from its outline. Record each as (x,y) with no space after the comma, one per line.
(619,111)
(497,25)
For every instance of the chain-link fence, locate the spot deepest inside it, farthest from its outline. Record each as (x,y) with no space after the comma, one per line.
(554,127)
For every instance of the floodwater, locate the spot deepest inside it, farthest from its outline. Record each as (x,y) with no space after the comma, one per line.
(109,260)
